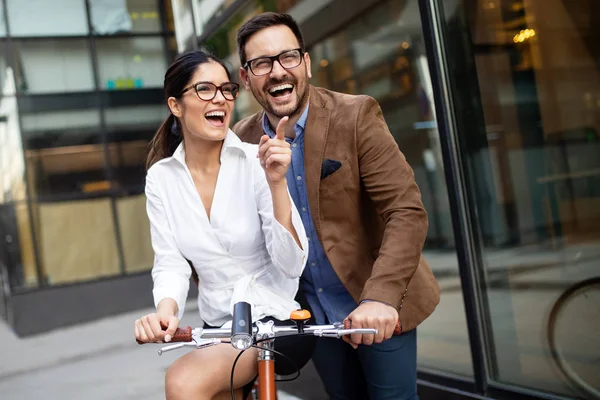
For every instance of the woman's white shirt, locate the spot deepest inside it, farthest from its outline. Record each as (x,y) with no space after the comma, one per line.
(241,254)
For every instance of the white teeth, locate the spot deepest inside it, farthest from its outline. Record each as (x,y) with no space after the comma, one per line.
(215,114)
(281,87)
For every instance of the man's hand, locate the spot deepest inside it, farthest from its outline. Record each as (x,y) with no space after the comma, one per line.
(275,154)
(372,314)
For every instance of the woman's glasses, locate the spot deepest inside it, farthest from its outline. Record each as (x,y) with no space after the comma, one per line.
(207,91)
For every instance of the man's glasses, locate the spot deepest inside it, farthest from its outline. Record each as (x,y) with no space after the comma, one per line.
(264,65)
(207,91)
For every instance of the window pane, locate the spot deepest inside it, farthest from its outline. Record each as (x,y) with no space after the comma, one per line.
(132,117)
(111,17)
(126,63)
(128,163)
(70,250)
(67,172)
(135,233)
(64,154)
(53,66)
(130,130)
(47,18)
(536,180)
(135,121)
(145,16)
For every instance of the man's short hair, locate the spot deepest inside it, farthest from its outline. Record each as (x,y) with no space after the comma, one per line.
(260,22)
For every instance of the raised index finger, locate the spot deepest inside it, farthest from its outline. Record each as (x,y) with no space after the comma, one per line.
(280,132)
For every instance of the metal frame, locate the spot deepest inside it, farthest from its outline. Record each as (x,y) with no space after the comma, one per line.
(108,168)
(468,252)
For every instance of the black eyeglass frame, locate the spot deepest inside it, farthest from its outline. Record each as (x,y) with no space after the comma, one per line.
(217,89)
(273,59)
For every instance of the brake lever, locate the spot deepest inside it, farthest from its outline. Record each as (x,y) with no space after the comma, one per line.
(338,333)
(197,343)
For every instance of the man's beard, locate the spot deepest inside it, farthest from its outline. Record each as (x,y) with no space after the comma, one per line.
(262,96)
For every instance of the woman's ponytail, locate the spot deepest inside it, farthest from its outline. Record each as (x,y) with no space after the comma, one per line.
(165,141)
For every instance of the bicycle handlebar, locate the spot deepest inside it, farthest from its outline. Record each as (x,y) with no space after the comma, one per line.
(243,333)
(187,334)
(200,337)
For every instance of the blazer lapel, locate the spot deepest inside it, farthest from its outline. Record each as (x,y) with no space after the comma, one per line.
(253,131)
(257,131)
(315,138)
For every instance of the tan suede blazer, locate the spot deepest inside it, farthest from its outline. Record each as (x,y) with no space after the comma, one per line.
(368,212)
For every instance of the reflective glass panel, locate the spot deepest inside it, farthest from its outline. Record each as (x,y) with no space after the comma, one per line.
(535,171)
(46,18)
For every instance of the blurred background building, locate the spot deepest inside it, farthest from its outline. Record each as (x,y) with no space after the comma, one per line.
(495,103)
(81,97)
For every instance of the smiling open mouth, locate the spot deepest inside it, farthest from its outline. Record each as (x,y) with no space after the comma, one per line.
(215,117)
(281,90)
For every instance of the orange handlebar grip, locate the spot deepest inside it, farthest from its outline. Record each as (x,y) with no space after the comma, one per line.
(300,315)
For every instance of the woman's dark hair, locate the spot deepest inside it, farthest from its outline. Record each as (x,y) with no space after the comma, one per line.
(260,22)
(178,75)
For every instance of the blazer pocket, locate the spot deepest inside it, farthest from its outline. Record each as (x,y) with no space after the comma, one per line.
(329,167)
(338,179)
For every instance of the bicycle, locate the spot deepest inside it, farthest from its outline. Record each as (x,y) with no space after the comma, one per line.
(584,381)
(243,334)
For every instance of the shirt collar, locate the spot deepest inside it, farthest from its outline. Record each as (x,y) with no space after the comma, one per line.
(300,124)
(232,141)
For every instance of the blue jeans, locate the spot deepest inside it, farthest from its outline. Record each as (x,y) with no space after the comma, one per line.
(381,371)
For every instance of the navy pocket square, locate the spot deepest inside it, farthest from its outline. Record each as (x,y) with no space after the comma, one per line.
(329,167)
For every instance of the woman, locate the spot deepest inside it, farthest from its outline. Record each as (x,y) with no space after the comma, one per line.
(221,206)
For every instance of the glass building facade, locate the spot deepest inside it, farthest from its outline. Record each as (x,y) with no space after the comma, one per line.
(81,98)
(495,103)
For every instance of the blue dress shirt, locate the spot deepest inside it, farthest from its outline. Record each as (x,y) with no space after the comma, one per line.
(325,293)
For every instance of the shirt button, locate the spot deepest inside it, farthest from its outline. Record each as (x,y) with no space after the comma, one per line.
(312,264)
(299,178)
(304,209)
(320,290)
(293,144)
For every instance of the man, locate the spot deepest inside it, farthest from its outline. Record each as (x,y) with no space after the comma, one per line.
(361,208)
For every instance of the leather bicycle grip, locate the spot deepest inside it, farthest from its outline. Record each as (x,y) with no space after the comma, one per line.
(397,330)
(181,335)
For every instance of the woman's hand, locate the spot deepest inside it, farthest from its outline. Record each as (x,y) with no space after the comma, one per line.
(275,154)
(150,328)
